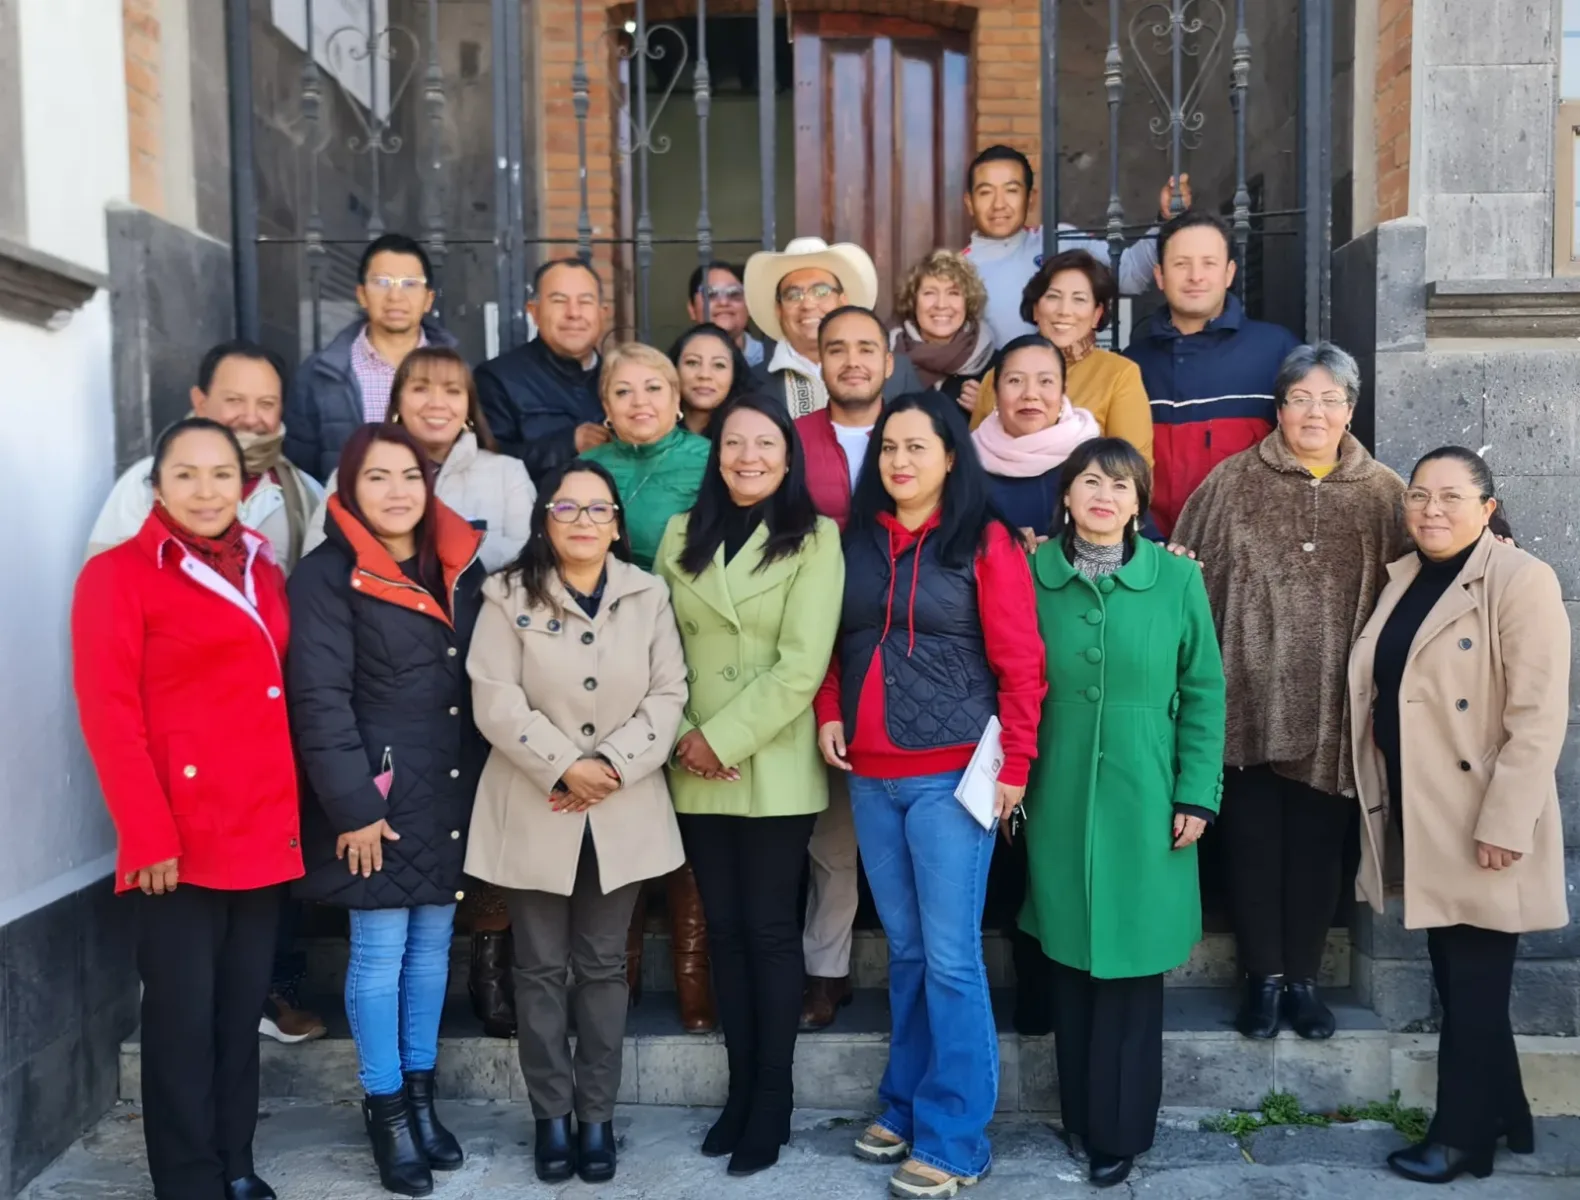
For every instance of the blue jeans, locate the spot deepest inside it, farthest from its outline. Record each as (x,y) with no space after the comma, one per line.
(927,863)
(395,986)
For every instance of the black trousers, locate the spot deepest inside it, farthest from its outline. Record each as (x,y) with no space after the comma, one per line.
(1283,846)
(1108,1044)
(1006,892)
(748,870)
(1479,1090)
(204,957)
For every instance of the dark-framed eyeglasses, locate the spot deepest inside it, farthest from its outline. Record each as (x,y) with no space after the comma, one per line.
(568,512)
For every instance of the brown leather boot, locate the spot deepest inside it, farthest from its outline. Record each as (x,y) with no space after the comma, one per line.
(633,949)
(821,1000)
(489,984)
(688,947)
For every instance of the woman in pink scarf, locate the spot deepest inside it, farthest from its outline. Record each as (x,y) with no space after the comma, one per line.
(1031,431)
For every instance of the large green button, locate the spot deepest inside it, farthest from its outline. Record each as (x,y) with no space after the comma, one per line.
(1094,616)
(730,672)
(1093,654)
(1094,694)
(1105,585)
(691,627)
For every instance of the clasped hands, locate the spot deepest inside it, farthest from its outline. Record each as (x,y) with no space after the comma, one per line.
(694,754)
(586,782)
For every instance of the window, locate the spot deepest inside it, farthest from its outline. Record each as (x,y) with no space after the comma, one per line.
(1566,223)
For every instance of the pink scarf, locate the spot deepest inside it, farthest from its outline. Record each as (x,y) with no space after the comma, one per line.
(1036,453)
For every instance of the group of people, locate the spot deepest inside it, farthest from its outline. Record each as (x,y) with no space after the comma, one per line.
(742,614)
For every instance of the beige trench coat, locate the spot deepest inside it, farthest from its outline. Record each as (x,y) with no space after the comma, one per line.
(1483,708)
(551,687)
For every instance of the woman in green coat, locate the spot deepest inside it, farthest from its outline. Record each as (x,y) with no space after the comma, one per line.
(657,462)
(755,576)
(1129,771)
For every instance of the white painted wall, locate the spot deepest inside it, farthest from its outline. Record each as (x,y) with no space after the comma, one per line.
(57,410)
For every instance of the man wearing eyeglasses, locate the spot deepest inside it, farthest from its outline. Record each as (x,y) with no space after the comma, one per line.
(347,383)
(788,294)
(723,302)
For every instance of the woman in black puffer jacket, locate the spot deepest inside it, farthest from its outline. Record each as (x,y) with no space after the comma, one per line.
(382,617)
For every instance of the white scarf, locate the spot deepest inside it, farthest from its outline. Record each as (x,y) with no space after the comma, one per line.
(805,391)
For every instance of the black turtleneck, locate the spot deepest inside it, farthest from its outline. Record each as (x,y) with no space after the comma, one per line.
(739,525)
(1393,649)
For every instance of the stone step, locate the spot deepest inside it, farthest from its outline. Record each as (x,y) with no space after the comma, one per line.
(1211,964)
(1206,1063)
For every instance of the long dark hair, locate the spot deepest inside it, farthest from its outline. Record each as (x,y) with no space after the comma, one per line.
(430,571)
(426,357)
(1480,475)
(965,509)
(1114,457)
(788,513)
(537,563)
(740,369)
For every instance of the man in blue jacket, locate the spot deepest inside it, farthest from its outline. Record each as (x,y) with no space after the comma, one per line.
(347,383)
(1208,368)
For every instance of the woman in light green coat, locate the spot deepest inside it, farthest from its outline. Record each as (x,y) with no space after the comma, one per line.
(1129,771)
(755,576)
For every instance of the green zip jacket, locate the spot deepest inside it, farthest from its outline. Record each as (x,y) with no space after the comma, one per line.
(656,481)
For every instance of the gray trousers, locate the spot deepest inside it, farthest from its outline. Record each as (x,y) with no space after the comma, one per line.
(556,937)
(832,892)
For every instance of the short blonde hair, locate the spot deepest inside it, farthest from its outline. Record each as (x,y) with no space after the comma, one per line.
(643,355)
(952,267)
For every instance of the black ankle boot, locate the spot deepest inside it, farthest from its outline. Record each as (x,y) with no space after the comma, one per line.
(767,1129)
(438,1143)
(249,1187)
(552,1153)
(1109,1170)
(402,1167)
(725,1134)
(1433,1162)
(595,1153)
(1258,1016)
(1308,1016)
(1519,1134)
(489,984)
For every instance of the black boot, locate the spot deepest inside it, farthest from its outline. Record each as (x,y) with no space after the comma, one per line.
(1433,1162)
(1258,1016)
(489,984)
(725,1134)
(249,1187)
(1308,1016)
(402,1167)
(766,1130)
(1109,1170)
(438,1143)
(1519,1134)
(595,1151)
(1033,986)
(552,1153)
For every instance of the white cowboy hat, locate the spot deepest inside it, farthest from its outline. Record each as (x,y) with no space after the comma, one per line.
(846,261)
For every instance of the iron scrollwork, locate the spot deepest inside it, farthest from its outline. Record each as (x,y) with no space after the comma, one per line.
(1184,28)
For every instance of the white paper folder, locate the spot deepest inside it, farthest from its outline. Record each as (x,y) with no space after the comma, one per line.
(978,787)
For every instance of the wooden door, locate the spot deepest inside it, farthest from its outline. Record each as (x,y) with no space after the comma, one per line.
(882,116)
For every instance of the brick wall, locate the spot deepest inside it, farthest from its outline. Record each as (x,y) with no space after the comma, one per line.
(1005,70)
(144,111)
(1392,112)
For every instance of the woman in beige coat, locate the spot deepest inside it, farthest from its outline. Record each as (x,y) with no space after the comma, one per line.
(578,683)
(1459,697)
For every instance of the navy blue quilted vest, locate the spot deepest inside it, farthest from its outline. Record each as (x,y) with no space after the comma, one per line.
(938,688)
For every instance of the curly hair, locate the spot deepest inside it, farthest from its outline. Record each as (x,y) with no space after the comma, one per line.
(952,267)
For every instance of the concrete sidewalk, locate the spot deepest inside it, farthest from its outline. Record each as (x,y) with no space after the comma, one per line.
(318,1152)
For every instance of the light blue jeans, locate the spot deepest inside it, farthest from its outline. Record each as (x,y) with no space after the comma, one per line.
(395,987)
(927,863)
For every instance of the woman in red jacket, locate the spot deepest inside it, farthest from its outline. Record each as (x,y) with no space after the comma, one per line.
(177,639)
(936,639)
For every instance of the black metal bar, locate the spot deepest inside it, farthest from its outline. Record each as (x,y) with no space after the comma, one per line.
(1176,105)
(434,99)
(312,115)
(1050,128)
(766,119)
(515,140)
(1316,161)
(644,216)
(701,84)
(582,99)
(504,296)
(1239,84)
(1114,82)
(375,124)
(243,184)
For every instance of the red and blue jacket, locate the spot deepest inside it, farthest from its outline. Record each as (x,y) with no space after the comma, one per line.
(1211,394)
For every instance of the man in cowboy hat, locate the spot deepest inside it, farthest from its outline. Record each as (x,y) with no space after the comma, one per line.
(788,294)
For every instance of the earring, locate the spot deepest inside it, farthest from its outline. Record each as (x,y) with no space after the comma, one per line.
(1135,524)
(470,425)
(607,423)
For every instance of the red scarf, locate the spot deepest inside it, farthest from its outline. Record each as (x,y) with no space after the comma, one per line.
(226,554)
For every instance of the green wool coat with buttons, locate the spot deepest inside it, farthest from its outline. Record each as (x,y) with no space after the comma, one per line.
(655,483)
(1132,726)
(757,644)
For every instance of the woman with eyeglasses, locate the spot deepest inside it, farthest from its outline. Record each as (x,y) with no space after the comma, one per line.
(1294,537)
(1466,664)
(712,371)
(578,682)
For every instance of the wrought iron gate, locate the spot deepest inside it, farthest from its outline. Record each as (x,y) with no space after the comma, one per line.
(386,109)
